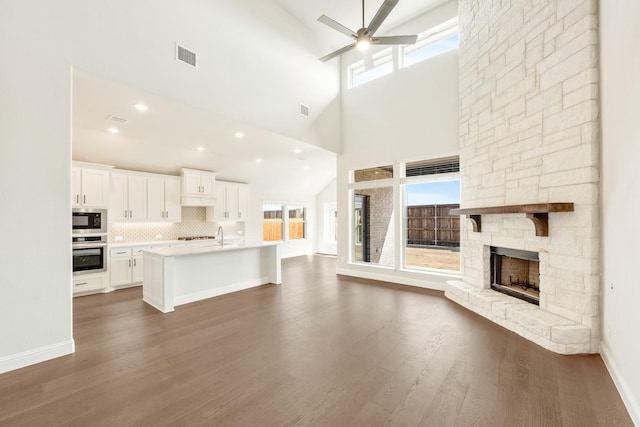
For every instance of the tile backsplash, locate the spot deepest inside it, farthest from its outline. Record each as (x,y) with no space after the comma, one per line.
(193,224)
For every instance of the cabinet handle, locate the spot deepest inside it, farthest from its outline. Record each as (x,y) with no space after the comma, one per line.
(84,199)
(125,214)
(130,214)
(134,262)
(80,284)
(77,199)
(129,263)
(119,253)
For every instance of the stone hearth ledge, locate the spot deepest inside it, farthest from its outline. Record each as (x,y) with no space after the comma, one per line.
(548,330)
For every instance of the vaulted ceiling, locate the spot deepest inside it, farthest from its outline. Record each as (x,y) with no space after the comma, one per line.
(257,61)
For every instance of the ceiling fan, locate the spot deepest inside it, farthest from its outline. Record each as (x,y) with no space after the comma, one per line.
(364,36)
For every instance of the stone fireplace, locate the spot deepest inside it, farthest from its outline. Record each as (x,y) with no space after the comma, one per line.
(529,143)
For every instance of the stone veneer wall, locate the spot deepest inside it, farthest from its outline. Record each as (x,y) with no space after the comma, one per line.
(529,133)
(380,224)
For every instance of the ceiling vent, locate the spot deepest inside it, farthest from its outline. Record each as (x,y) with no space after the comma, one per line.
(186,56)
(304,110)
(116,119)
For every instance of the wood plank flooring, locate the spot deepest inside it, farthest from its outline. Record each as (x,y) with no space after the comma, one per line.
(320,349)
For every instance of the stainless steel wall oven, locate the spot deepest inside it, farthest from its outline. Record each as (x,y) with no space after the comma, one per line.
(89,254)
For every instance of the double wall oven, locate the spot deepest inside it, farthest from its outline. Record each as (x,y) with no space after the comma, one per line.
(89,240)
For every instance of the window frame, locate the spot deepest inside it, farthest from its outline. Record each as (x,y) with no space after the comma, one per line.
(428,38)
(398,183)
(383,57)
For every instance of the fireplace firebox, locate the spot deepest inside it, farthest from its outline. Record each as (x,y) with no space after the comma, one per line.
(516,273)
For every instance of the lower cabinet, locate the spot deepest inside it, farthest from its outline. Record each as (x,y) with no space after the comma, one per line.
(85,284)
(126,266)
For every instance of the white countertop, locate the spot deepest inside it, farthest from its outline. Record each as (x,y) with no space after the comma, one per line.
(213,247)
(175,242)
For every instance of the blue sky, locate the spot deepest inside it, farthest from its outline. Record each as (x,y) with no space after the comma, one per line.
(433,193)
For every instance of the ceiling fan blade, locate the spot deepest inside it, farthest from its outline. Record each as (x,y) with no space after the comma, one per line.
(394,40)
(337,26)
(368,60)
(337,52)
(381,15)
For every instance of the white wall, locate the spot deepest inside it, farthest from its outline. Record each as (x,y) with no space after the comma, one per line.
(253,228)
(259,78)
(35,187)
(327,195)
(620,91)
(411,114)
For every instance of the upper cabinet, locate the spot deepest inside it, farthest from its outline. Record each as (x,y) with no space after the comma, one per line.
(232,203)
(163,199)
(140,196)
(128,197)
(90,186)
(198,187)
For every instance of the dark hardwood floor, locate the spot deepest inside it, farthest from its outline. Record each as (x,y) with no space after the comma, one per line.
(320,350)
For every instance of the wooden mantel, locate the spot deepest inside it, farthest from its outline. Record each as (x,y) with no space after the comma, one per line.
(538,213)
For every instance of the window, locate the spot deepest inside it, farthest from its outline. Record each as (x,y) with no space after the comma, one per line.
(373,174)
(284,221)
(382,65)
(373,213)
(432,234)
(273,225)
(426,236)
(433,42)
(297,224)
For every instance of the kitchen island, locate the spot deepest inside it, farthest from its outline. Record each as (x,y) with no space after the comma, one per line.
(180,275)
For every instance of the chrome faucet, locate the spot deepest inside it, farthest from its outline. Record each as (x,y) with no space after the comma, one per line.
(221,234)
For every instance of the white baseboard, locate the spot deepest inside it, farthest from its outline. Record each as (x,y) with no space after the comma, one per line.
(210,293)
(155,302)
(630,401)
(436,284)
(37,355)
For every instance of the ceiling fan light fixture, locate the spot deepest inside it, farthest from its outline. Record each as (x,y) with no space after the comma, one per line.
(363,44)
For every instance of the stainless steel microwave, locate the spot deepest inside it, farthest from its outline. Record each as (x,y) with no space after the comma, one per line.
(89,221)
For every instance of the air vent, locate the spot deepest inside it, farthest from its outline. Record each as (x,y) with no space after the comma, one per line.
(186,56)
(116,119)
(304,110)
(433,167)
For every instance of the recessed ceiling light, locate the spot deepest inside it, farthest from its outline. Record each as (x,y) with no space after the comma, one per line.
(258,160)
(114,130)
(141,107)
(200,148)
(239,135)
(306,167)
(297,151)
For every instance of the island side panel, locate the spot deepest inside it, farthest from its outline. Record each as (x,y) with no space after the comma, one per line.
(273,264)
(157,286)
(204,275)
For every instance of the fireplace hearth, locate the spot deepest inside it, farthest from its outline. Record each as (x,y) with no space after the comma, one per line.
(516,273)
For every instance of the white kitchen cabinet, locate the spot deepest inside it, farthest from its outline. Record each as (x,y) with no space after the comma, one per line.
(163,199)
(90,187)
(232,203)
(128,197)
(126,266)
(86,284)
(198,187)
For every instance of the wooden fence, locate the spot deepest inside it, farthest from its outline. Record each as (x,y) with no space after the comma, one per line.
(433,225)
